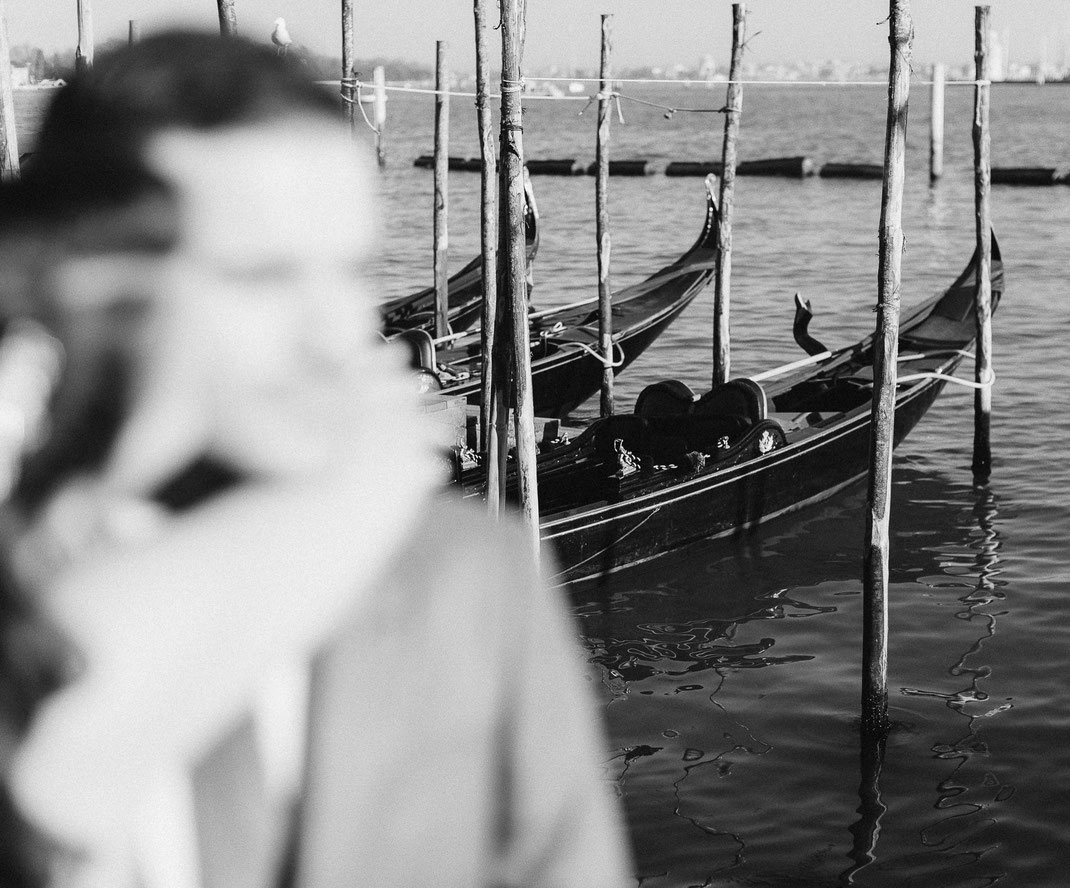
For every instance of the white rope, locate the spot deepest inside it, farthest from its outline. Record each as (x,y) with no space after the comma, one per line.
(985,384)
(598,355)
(718,81)
(518,86)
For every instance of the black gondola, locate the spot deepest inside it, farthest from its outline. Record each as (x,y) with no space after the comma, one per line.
(566,367)
(682,468)
(416,311)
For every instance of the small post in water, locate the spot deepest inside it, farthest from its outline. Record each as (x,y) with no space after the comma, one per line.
(135,31)
(228,19)
(601,192)
(349,42)
(885,356)
(982,177)
(723,279)
(83,55)
(493,408)
(936,124)
(442,142)
(513,286)
(379,78)
(9,146)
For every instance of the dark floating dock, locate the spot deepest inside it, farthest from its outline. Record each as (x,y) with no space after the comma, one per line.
(852,171)
(788,167)
(1030,176)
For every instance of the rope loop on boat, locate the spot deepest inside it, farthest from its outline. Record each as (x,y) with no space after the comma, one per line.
(613,363)
(986,383)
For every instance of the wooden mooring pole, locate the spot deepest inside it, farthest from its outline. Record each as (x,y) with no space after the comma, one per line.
(83,55)
(723,280)
(442,160)
(936,124)
(349,42)
(493,408)
(228,19)
(9,145)
(982,177)
(601,200)
(885,356)
(379,78)
(513,290)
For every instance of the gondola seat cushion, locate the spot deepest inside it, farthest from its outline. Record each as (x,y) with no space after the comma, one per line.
(667,397)
(740,397)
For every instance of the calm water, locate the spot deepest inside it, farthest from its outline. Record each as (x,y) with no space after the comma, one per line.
(729,673)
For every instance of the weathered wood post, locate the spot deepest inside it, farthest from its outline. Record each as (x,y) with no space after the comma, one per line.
(9,145)
(936,124)
(349,42)
(513,290)
(723,279)
(134,34)
(493,408)
(442,160)
(601,199)
(83,55)
(228,19)
(885,356)
(982,177)
(379,78)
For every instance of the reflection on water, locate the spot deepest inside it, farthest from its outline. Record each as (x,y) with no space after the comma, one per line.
(734,773)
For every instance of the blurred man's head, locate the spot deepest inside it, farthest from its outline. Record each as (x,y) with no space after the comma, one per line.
(199,218)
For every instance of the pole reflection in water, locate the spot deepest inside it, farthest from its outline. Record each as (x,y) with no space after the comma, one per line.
(956,840)
(866,830)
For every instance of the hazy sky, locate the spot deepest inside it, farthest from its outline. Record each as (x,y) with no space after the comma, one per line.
(566,32)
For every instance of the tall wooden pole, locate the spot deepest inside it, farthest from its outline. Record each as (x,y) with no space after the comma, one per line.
(723,279)
(936,124)
(601,199)
(442,159)
(9,146)
(228,19)
(982,177)
(83,55)
(349,43)
(885,356)
(513,290)
(379,78)
(493,409)
(134,34)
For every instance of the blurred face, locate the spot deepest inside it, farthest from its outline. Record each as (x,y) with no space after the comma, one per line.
(261,347)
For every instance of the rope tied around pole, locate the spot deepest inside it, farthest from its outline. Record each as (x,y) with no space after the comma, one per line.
(668,109)
(360,104)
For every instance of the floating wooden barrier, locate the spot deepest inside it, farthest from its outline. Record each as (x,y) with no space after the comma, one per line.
(567,166)
(1027,176)
(626,168)
(464,164)
(791,167)
(798,167)
(694,168)
(852,171)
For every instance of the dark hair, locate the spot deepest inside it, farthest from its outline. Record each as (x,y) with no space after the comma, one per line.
(87,184)
(85,189)
(89,152)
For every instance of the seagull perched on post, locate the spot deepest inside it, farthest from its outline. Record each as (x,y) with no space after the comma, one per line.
(281,37)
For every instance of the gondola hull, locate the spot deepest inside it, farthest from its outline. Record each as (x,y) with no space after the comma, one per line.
(566,368)
(681,468)
(595,542)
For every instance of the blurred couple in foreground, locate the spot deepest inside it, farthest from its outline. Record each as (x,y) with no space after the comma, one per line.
(244,640)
